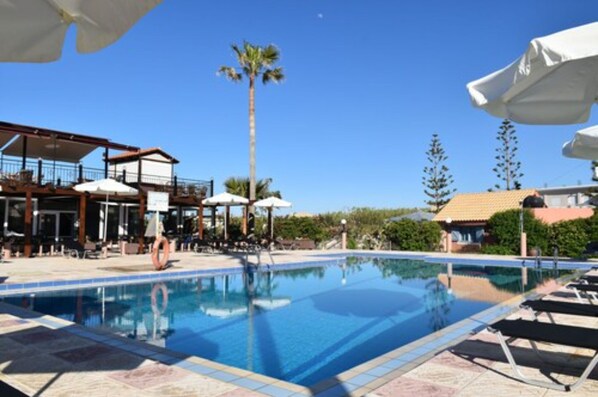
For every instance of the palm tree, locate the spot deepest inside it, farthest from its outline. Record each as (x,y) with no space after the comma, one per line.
(254,61)
(240,187)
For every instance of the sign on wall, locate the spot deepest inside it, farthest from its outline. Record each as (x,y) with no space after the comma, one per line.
(157,201)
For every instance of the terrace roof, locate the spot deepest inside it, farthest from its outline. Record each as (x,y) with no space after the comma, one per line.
(52,144)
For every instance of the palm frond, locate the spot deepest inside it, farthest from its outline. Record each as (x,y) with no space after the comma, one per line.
(230,73)
(270,55)
(275,75)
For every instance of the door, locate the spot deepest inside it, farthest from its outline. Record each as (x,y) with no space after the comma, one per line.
(57,224)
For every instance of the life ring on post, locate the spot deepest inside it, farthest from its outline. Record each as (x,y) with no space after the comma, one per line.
(159,287)
(160,263)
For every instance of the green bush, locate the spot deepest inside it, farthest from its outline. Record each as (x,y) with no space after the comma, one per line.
(504,231)
(570,237)
(495,250)
(294,227)
(408,235)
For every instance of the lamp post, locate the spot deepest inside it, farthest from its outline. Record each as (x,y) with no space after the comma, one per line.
(449,238)
(343,234)
(523,236)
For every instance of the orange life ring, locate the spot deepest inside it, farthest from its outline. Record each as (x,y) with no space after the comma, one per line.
(159,287)
(160,263)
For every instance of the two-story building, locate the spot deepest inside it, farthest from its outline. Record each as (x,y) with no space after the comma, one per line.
(38,206)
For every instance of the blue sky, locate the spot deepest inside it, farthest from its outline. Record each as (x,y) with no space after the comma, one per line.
(368,83)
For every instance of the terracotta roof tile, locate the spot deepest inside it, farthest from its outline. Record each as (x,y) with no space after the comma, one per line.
(142,152)
(481,206)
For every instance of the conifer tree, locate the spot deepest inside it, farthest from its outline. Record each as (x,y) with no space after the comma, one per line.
(437,180)
(507,166)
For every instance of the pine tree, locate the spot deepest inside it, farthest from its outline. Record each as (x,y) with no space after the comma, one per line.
(507,165)
(437,179)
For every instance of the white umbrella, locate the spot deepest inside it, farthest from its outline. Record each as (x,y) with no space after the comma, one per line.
(227,200)
(271,203)
(584,144)
(108,187)
(34,30)
(554,82)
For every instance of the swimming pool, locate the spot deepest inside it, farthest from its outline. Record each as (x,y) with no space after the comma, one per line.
(300,325)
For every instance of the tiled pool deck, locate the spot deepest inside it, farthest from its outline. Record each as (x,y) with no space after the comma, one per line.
(43,355)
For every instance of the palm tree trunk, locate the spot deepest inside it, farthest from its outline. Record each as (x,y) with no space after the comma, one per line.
(251,209)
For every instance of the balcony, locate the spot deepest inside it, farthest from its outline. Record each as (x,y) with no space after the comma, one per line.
(60,175)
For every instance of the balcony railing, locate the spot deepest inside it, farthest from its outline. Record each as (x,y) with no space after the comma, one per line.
(44,173)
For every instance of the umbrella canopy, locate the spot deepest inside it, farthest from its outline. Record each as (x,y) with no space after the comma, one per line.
(584,144)
(108,187)
(34,30)
(272,202)
(554,82)
(225,199)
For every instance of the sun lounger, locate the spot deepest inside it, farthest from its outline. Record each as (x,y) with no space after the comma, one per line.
(74,249)
(589,279)
(534,331)
(590,291)
(549,307)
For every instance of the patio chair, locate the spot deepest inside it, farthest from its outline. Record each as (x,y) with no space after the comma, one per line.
(547,306)
(534,331)
(74,249)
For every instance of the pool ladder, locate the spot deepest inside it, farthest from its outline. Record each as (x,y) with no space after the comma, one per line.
(555,257)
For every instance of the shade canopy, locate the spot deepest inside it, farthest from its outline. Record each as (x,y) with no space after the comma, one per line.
(554,82)
(584,144)
(34,30)
(50,149)
(225,199)
(107,187)
(272,202)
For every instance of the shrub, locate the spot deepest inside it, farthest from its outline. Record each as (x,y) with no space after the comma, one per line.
(495,250)
(504,229)
(293,227)
(408,235)
(570,237)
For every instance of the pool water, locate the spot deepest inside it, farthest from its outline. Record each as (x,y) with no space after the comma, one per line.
(301,325)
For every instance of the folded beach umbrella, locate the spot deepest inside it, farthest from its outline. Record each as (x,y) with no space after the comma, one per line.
(554,82)
(107,187)
(584,144)
(271,203)
(34,30)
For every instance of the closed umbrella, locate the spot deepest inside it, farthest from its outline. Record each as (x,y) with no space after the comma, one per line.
(34,30)
(270,203)
(584,144)
(106,187)
(554,82)
(227,200)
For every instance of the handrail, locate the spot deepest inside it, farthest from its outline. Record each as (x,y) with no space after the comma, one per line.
(61,174)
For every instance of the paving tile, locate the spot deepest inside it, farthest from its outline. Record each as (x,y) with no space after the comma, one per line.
(271,390)
(361,379)
(190,386)
(442,375)
(248,383)
(149,375)
(82,354)
(241,393)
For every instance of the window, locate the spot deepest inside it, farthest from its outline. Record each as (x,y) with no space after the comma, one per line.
(468,234)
